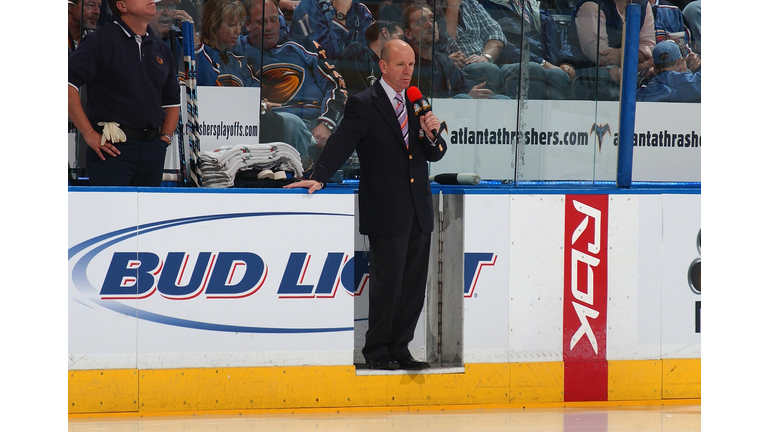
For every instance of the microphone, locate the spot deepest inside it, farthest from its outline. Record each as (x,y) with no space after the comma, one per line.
(420,105)
(456,179)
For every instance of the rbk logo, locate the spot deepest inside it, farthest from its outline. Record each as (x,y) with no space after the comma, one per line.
(585,298)
(585,276)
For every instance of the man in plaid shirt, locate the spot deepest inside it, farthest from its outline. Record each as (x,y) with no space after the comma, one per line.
(477,42)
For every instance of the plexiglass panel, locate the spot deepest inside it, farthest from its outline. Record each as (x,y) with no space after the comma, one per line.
(528,90)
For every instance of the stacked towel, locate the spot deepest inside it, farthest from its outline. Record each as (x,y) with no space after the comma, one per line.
(220,166)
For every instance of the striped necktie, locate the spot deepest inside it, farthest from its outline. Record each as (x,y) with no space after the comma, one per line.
(402,117)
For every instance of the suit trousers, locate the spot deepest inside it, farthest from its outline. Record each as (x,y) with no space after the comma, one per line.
(398,279)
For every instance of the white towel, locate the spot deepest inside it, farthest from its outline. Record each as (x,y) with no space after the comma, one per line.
(219,166)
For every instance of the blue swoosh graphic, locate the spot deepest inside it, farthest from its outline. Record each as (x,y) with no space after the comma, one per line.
(98,244)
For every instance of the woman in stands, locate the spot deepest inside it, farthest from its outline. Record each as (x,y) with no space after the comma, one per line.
(217,65)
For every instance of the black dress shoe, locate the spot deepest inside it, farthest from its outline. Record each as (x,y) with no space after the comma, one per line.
(410,363)
(382,361)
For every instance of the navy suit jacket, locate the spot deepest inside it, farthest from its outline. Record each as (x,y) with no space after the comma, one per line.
(394,181)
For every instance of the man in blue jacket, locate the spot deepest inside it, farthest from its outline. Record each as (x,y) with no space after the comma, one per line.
(673,83)
(294,77)
(334,24)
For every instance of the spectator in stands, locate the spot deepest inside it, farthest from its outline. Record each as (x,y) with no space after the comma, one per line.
(393,10)
(165,24)
(479,41)
(561,7)
(105,15)
(189,7)
(440,78)
(82,16)
(359,63)
(670,25)
(673,82)
(283,16)
(681,4)
(334,24)
(550,58)
(297,77)
(287,7)
(167,17)
(605,18)
(692,15)
(216,64)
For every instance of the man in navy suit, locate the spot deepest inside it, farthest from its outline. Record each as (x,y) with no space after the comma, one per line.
(395,201)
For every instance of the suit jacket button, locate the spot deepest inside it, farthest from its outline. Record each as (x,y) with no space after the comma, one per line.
(410,156)
(411,180)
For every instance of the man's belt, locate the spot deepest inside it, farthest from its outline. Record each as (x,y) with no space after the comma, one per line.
(136,134)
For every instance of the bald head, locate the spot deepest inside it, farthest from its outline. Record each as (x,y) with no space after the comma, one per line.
(392,46)
(397,61)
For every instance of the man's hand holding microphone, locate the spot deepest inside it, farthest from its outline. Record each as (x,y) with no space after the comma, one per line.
(428,120)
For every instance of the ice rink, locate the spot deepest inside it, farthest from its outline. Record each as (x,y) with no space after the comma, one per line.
(599,419)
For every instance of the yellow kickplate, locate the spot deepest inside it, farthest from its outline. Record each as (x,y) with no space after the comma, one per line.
(208,389)
(315,387)
(634,380)
(101,391)
(319,387)
(536,382)
(682,378)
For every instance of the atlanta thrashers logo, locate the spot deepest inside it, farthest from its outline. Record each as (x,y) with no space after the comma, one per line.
(281,81)
(600,131)
(229,80)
